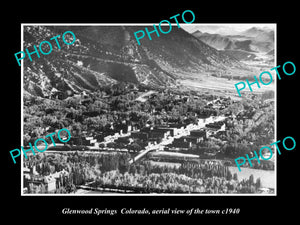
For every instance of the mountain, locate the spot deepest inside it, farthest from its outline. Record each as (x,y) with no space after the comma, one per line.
(215,40)
(252,32)
(262,39)
(240,55)
(197,33)
(251,40)
(223,42)
(105,55)
(259,34)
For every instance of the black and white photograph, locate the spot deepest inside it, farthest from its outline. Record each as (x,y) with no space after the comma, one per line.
(128,112)
(129,109)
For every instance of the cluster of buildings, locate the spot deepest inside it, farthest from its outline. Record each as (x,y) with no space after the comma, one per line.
(220,103)
(171,137)
(98,140)
(34,181)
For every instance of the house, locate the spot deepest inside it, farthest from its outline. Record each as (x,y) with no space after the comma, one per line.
(50,183)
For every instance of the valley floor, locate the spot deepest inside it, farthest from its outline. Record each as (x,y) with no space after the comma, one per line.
(223,84)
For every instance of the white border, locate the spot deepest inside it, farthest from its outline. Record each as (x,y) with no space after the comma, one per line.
(143,24)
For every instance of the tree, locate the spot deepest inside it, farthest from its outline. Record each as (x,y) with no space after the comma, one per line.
(111,145)
(258,183)
(235,177)
(229,175)
(251,179)
(267,95)
(123,163)
(135,147)
(132,169)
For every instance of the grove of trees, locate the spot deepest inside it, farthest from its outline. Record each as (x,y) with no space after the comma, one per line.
(113,171)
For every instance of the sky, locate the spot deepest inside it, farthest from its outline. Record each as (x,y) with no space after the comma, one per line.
(225,29)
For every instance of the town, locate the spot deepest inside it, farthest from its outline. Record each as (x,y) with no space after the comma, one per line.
(136,126)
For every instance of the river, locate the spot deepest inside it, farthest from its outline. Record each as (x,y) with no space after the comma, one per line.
(267,177)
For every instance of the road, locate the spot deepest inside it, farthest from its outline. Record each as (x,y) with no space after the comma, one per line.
(142,98)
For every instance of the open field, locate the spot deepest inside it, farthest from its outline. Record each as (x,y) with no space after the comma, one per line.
(223,84)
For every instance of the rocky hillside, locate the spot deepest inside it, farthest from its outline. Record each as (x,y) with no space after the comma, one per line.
(105,55)
(217,41)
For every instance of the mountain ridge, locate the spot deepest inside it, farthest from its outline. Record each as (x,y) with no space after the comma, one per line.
(106,55)
(252,40)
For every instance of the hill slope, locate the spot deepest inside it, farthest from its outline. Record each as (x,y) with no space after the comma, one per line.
(104,55)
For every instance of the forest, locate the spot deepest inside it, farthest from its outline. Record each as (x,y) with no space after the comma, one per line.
(113,171)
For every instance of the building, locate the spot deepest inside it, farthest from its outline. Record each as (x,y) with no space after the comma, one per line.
(204,119)
(198,133)
(192,139)
(158,134)
(124,140)
(140,135)
(87,141)
(177,128)
(213,128)
(183,143)
(50,183)
(172,130)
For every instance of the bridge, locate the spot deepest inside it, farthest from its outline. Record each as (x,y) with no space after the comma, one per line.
(140,155)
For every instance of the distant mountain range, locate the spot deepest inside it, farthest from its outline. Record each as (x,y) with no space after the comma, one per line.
(244,45)
(105,55)
(260,34)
